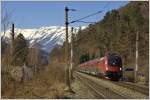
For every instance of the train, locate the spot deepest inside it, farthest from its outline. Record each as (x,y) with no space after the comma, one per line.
(108,67)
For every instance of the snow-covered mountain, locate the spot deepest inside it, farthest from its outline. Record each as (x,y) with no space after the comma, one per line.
(46,37)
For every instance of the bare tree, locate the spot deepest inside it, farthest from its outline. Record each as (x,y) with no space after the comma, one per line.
(33,58)
(5,21)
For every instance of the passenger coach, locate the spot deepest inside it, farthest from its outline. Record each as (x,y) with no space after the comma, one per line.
(109,66)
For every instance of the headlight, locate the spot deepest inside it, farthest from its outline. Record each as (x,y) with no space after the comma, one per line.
(106,68)
(120,68)
(105,62)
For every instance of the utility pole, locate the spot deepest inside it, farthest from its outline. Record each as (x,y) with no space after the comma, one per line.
(12,32)
(66,51)
(13,37)
(136,57)
(147,75)
(71,66)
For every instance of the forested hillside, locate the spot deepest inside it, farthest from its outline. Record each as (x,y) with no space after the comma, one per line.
(115,33)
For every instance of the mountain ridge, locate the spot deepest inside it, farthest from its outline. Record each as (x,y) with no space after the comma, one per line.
(47,37)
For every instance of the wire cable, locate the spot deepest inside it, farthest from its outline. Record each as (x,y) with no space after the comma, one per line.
(85,22)
(86,17)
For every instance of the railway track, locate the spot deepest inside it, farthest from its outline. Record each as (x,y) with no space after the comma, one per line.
(134,87)
(99,90)
(97,94)
(142,89)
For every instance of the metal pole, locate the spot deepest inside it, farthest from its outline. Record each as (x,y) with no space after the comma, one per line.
(71,67)
(136,58)
(67,49)
(12,36)
(147,75)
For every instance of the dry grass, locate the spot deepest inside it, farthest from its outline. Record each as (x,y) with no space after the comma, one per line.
(7,85)
(48,83)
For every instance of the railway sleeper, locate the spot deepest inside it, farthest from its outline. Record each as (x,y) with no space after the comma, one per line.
(106,92)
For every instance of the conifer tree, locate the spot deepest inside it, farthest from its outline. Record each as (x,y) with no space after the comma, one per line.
(20,50)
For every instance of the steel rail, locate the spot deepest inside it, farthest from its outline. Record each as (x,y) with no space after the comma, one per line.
(108,93)
(134,87)
(142,89)
(98,94)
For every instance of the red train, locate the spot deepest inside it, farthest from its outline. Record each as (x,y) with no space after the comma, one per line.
(109,66)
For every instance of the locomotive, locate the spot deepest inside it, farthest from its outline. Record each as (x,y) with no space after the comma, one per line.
(109,67)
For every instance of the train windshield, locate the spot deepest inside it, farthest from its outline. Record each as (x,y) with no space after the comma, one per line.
(114,60)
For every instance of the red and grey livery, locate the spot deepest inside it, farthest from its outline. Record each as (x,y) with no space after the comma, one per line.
(109,66)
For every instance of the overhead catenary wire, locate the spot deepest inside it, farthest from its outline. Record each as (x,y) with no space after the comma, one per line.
(86,22)
(86,17)
(81,19)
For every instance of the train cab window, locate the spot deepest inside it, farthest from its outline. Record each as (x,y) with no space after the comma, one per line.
(114,60)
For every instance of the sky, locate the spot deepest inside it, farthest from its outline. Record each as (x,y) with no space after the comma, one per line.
(33,14)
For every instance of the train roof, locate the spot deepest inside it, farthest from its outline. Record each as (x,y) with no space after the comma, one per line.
(92,61)
(112,54)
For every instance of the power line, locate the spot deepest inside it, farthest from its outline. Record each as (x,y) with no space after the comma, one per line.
(106,5)
(80,20)
(86,17)
(85,22)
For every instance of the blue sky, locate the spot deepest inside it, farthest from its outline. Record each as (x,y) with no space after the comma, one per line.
(31,14)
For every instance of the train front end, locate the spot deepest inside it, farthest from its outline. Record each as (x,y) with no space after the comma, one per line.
(113,67)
